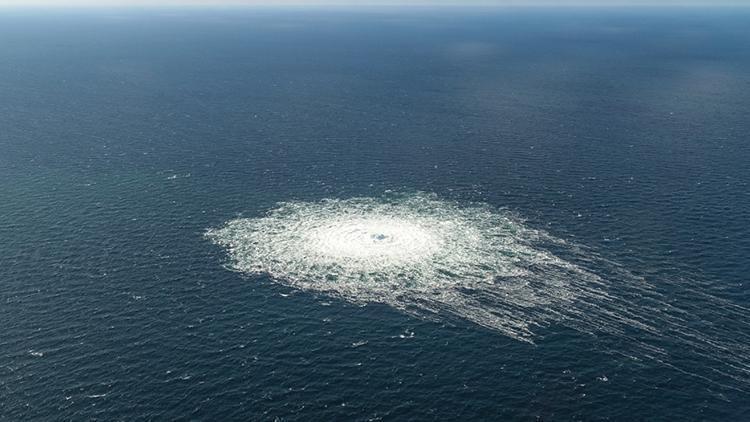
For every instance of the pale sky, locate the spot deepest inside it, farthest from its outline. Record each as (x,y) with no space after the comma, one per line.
(140,3)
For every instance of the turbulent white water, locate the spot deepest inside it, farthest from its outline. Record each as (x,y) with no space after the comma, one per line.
(435,258)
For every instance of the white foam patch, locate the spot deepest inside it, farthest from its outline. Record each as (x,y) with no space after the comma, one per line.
(436,258)
(411,252)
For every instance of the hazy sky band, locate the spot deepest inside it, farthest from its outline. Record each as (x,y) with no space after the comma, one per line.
(541,3)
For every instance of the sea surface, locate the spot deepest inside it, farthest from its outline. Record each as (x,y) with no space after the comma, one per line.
(128,135)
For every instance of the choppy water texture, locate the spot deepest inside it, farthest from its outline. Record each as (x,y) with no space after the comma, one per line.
(429,257)
(412,214)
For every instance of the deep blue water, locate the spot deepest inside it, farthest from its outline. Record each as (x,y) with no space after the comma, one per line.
(124,135)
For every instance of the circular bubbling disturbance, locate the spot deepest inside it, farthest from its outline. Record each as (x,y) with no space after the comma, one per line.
(416,253)
(434,258)
(374,241)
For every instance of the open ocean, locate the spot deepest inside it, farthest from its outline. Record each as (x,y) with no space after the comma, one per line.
(611,145)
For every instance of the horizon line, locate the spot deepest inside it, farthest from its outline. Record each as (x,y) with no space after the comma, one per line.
(207,4)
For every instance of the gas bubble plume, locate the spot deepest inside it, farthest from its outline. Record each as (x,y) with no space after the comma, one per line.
(436,258)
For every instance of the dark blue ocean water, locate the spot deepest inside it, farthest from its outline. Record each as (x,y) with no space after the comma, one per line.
(125,134)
